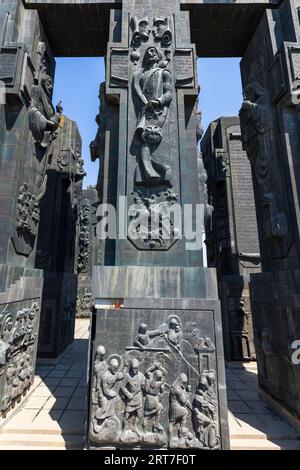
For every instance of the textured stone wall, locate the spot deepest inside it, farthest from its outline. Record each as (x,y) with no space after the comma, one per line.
(231,231)
(28,124)
(58,239)
(270,127)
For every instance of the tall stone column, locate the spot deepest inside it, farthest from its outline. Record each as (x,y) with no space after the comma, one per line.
(157,375)
(231,232)
(28,126)
(89,253)
(270,125)
(58,240)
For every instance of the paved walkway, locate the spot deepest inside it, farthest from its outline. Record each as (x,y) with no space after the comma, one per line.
(53,415)
(252,424)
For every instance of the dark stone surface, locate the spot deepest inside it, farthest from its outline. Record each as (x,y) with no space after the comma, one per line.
(28,124)
(219,28)
(164,314)
(147,297)
(58,240)
(266,34)
(276,326)
(270,126)
(231,232)
(178,90)
(19,319)
(89,250)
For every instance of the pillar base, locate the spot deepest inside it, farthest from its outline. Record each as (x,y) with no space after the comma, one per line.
(161,382)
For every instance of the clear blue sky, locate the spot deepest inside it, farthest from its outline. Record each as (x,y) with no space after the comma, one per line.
(77,85)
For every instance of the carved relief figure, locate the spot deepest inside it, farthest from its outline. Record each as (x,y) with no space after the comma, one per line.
(84,304)
(144,336)
(106,425)
(153,88)
(107,396)
(132,393)
(43,123)
(257,126)
(43,120)
(153,220)
(28,213)
(7,327)
(180,408)
(205,411)
(17,334)
(140,30)
(100,366)
(84,235)
(163,31)
(175,334)
(134,412)
(154,388)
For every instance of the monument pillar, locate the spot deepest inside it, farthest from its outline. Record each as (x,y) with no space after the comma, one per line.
(58,240)
(270,127)
(157,368)
(28,128)
(231,232)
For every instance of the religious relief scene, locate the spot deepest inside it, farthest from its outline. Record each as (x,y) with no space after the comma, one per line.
(149,226)
(161,391)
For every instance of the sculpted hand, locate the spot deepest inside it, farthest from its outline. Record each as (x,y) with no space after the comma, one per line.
(153,104)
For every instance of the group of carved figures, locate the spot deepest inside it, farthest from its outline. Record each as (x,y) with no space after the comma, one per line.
(84,304)
(128,405)
(17,339)
(43,121)
(141,395)
(28,212)
(84,235)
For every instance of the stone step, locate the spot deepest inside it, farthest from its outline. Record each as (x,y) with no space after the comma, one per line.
(262,436)
(33,428)
(41,440)
(262,444)
(15,447)
(265,437)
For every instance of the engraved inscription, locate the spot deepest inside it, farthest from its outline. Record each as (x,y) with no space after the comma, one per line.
(119,67)
(184,67)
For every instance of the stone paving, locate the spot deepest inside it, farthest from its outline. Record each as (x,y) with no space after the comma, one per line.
(53,414)
(252,424)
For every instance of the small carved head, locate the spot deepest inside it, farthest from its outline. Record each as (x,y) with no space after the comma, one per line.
(143,29)
(174,325)
(158,375)
(100,352)
(211,377)
(152,56)
(134,367)
(143,328)
(47,84)
(113,366)
(203,383)
(183,381)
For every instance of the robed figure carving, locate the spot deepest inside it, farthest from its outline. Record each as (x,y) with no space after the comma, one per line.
(43,120)
(152,87)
